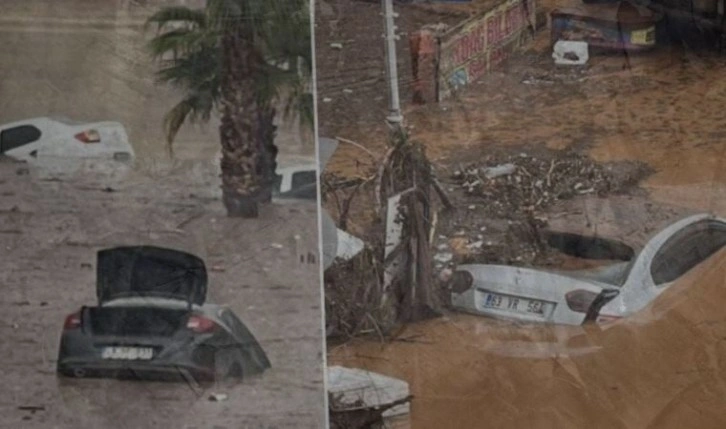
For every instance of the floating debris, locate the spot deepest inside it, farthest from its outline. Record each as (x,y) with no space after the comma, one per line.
(218,397)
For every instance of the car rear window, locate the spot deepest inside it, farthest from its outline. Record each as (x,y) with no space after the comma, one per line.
(686,249)
(303,178)
(16,137)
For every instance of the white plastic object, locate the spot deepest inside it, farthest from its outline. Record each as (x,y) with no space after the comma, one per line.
(573,53)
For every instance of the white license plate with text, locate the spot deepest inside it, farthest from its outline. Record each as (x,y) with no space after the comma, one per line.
(513,304)
(128,353)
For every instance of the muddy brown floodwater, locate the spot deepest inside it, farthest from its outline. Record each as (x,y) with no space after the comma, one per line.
(663,368)
(49,234)
(86,60)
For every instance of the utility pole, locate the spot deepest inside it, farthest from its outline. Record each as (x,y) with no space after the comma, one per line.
(394,115)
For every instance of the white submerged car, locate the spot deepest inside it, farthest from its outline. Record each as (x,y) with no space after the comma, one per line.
(296,178)
(599,295)
(61,146)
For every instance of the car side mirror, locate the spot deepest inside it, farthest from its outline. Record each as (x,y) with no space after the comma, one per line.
(603,298)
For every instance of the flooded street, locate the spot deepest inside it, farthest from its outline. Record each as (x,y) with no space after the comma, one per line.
(663,367)
(87,61)
(660,369)
(50,232)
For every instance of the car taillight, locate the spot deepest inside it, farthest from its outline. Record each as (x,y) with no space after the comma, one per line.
(580,300)
(88,136)
(201,324)
(73,321)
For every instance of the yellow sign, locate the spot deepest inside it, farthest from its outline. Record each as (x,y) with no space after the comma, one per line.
(643,37)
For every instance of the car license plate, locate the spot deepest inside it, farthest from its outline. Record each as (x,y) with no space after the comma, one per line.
(514,304)
(128,353)
(121,156)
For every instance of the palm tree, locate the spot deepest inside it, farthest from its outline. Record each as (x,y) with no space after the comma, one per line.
(238,59)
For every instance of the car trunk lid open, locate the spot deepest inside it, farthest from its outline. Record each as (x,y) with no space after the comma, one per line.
(147,271)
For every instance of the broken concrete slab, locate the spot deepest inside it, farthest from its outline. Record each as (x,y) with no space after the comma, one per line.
(373,389)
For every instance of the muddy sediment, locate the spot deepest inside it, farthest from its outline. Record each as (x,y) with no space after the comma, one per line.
(659,368)
(505,200)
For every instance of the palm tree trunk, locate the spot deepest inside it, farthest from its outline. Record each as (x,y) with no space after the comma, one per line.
(268,166)
(242,162)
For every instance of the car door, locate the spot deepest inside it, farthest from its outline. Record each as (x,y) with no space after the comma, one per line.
(249,346)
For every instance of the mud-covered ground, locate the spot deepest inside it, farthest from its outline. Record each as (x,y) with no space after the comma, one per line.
(661,368)
(49,233)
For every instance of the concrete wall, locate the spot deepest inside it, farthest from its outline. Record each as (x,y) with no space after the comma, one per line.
(446,61)
(86,60)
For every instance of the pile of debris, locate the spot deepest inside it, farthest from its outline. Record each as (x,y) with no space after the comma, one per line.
(505,201)
(360,399)
(519,183)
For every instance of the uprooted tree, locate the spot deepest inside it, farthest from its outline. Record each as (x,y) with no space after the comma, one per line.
(391,282)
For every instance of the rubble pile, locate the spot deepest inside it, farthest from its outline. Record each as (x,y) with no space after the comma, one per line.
(506,199)
(521,183)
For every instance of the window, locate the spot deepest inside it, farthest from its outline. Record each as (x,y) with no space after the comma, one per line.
(303,178)
(306,192)
(686,249)
(16,137)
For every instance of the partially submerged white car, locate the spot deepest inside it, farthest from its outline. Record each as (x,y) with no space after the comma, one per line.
(600,295)
(61,146)
(296,179)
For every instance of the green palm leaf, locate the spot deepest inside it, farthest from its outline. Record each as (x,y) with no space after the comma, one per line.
(188,48)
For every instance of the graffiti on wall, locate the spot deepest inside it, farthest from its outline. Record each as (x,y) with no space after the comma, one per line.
(470,50)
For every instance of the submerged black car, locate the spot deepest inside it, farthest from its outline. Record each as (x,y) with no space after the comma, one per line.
(152,322)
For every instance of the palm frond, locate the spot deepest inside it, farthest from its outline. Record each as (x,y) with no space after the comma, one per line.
(226,13)
(193,70)
(171,14)
(178,42)
(198,105)
(303,105)
(173,121)
(281,34)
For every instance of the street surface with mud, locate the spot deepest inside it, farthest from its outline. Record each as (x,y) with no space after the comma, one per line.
(662,368)
(50,232)
(86,60)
